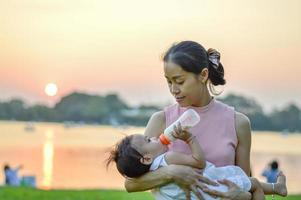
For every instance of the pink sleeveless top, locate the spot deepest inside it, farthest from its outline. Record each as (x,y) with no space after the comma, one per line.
(215,131)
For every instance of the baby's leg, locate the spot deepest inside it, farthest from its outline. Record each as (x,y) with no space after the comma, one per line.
(279,187)
(256,189)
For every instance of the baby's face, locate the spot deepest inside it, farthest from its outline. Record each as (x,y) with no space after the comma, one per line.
(144,145)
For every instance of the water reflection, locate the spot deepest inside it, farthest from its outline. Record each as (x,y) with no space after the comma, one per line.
(47,159)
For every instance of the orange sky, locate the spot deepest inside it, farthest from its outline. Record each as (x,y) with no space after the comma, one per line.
(115,46)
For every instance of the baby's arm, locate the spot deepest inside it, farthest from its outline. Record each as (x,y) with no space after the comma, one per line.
(196,159)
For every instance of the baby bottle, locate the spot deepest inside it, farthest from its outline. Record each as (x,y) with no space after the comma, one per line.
(187,120)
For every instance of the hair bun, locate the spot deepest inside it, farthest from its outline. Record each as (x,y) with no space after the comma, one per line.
(214,57)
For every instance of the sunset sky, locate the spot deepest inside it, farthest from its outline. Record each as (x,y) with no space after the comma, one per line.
(101,47)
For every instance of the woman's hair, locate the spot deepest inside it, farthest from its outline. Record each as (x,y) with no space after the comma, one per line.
(193,57)
(127,159)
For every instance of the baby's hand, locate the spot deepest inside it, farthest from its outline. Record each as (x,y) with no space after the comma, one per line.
(180,132)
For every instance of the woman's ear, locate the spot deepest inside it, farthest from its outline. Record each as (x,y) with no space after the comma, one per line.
(203,76)
(147,159)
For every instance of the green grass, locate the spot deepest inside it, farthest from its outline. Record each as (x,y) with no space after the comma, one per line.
(291,197)
(21,193)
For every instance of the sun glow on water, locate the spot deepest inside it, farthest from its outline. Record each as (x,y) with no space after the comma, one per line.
(48,159)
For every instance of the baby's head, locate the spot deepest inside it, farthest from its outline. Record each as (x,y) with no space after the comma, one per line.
(134,154)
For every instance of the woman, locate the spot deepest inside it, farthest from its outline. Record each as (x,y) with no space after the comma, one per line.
(224,134)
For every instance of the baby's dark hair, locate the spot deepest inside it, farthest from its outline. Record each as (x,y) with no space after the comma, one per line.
(127,159)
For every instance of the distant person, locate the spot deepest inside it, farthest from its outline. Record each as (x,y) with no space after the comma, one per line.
(11,175)
(272,172)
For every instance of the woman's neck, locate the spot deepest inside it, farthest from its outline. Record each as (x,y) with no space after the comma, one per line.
(204,99)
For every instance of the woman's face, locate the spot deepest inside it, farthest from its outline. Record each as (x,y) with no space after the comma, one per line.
(184,86)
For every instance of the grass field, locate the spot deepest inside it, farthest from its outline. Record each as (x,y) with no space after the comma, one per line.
(11,193)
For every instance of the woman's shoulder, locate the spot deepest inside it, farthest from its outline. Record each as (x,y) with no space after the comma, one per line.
(221,105)
(156,124)
(224,111)
(242,124)
(159,115)
(241,120)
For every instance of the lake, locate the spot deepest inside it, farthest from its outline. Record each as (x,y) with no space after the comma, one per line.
(73,156)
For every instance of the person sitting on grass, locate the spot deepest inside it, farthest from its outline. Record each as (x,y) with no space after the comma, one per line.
(136,154)
(11,175)
(272,172)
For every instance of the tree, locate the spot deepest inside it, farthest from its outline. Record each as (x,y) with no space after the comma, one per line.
(251,108)
(287,119)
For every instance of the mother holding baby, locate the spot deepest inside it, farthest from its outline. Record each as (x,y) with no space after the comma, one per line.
(224,134)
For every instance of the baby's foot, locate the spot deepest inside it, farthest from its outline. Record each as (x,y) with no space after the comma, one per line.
(280,186)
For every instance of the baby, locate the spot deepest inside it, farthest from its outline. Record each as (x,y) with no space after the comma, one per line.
(136,154)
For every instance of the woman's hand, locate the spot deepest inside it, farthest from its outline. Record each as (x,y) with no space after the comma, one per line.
(234,192)
(189,179)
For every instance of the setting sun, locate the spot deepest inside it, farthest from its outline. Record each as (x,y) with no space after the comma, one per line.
(51,89)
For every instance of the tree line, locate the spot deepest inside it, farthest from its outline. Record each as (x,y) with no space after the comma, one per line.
(111,109)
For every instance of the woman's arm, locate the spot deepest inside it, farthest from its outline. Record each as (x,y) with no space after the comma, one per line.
(149,180)
(154,128)
(243,131)
(187,178)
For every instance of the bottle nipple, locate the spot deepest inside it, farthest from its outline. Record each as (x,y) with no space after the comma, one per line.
(164,140)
